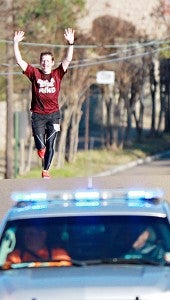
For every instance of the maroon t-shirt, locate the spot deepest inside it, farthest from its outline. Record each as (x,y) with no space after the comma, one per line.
(45,89)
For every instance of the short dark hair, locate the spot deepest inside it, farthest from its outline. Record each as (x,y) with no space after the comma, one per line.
(46,53)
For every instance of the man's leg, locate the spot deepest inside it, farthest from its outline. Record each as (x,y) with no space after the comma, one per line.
(50,145)
(38,128)
(53,127)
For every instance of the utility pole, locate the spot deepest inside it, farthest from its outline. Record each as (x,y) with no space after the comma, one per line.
(9,90)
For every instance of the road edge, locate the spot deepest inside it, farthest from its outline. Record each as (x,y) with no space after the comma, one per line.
(132,164)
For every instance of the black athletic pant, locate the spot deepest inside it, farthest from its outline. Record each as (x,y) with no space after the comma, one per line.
(45,128)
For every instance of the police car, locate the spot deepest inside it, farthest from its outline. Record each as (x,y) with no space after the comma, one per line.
(86,245)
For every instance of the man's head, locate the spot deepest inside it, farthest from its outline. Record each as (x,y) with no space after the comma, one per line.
(34,237)
(46,61)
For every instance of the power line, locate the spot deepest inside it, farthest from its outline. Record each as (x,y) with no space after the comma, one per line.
(103,59)
(127,45)
(112,55)
(118,59)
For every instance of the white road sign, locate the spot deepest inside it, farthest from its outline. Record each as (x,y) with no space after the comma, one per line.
(105,77)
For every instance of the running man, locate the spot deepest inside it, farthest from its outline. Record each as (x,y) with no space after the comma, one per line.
(46,83)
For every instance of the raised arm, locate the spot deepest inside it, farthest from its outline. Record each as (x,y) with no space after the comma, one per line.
(69,36)
(18,37)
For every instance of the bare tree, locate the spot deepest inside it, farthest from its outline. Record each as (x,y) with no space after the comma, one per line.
(9,55)
(74,93)
(153,89)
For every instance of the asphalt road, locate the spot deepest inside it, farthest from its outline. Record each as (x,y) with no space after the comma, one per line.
(153,173)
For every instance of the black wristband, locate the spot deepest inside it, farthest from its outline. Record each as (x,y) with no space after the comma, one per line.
(71,44)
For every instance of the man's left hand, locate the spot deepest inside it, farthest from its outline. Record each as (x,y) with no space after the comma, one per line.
(69,35)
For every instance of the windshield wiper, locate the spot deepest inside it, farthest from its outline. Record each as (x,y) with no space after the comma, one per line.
(78,263)
(121,260)
(40,264)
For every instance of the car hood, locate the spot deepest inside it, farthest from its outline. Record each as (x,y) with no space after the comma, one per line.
(86,283)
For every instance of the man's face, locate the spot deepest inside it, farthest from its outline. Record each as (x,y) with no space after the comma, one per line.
(46,63)
(34,238)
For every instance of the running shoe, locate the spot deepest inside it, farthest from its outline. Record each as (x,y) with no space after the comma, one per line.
(41,152)
(45,174)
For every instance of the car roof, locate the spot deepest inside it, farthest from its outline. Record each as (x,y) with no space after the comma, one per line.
(88,202)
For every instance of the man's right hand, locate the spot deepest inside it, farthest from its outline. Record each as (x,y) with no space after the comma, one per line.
(19,36)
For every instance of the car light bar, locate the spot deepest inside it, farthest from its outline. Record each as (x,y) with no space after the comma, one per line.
(89,196)
(152,194)
(36,196)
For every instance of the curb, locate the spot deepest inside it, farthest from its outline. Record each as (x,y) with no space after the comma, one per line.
(132,164)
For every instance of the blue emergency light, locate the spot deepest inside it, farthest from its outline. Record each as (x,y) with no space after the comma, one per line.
(90,196)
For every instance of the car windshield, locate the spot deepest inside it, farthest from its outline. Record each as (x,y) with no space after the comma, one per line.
(85,239)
